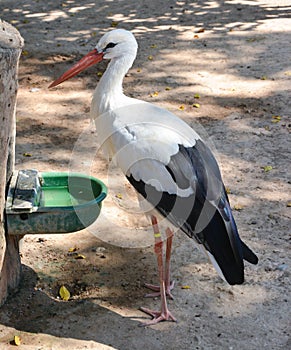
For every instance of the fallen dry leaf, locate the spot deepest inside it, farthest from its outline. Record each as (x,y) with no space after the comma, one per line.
(238,207)
(276,118)
(267,168)
(27,154)
(227,190)
(64,293)
(80,256)
(73,249)
(154,94)
(252,40)
(16,340)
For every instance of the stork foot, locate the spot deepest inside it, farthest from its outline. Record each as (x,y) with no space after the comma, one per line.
(157,292)
(158,316)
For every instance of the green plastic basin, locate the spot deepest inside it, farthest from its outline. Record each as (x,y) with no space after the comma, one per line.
(52,202)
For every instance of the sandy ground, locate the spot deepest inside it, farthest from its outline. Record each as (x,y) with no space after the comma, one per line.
(236,56)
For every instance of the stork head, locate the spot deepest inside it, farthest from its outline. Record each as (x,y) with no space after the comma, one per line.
(114,44)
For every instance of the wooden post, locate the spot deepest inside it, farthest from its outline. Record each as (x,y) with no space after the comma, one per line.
(11,44)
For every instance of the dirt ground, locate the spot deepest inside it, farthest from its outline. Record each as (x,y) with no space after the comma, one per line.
(233,59)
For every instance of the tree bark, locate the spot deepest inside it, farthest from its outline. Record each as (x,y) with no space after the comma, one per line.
(11,44)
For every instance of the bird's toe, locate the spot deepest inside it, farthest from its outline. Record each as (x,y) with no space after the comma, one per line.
(156,289)
(157,316)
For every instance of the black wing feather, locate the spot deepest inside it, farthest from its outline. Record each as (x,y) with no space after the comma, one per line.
(204,215)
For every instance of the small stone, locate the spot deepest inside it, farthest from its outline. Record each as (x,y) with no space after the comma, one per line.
(99,250)
(34,90)
(170,81)
(282,267)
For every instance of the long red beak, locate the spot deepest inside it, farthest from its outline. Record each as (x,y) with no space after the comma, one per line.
(91,58)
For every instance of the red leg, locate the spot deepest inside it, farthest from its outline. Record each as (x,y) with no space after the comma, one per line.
(164,314)
(168,284)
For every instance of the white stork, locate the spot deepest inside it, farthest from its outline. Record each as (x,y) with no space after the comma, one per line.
(167,163)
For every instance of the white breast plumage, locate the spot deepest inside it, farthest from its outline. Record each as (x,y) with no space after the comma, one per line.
(141,138)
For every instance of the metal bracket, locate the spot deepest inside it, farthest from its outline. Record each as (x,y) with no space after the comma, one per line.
(24,192)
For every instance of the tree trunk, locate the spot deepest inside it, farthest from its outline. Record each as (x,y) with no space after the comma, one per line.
(11,44)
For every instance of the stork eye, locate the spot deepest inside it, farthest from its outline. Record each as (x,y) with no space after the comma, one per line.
(109,46)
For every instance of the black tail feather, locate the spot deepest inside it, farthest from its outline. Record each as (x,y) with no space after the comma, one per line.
(227,254)
(248,254)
